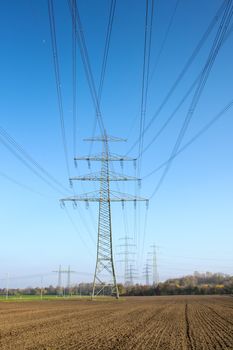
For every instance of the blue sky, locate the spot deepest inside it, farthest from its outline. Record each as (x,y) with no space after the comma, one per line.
(190,217)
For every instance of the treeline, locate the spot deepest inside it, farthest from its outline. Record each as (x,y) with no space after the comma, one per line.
(79,289)
(198,283)
(84,289)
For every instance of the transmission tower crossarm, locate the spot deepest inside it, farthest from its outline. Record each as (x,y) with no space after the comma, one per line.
(129,260)
(101,157)
(105,138)
(128,245)
(99,177)
(95,197)
(64,271)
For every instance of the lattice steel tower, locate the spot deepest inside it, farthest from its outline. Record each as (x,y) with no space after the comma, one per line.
(127,257)
(60,272)
(146,273)
(155,274)
(104,262)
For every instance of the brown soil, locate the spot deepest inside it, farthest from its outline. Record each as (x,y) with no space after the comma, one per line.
(136,323)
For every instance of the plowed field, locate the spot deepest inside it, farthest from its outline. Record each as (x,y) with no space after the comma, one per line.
(135,323)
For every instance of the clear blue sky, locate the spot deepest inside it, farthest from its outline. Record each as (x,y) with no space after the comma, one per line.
(191,215)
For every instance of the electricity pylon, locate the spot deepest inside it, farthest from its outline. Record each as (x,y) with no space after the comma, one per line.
(104,260)
(146,273)
(127,257)
(60,272)
(155,275)
(59,286)
(131,275)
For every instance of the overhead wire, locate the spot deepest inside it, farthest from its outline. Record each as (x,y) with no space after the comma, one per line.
(226,18)
(183,71)
(80,38)
(142,111)
(30,167)
(172,115)
(202,131)
(86,63)
(15,146)
(145,74)
(104,61)
(27,276)
(30,163)
(106,48)
(74,76)
(159,55)
(148,29)
(184,98)
(25,160)
(58,81)
(78,232)
(164,39)
(85,58)
(23,186)
(74,90)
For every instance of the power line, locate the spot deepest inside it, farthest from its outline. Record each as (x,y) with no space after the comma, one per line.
(183,71)
(74,75)
(202,131)
(226,18)
(199,258)
(85,57)
(26,158)
(170,118)
(144,91)
(106,47)
(22,160)
(145,75)
(104,61)
(184,98)
(39,275)
(77,230)
(25,187)
(86,63)
(165,38)
(27,276)
(75,17)
(58,80)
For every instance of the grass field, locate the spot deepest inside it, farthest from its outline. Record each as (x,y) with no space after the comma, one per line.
(39,298)
(182,322)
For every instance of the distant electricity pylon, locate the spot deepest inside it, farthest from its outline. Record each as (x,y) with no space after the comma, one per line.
(131,274)
(59,284)
(146,273)
(7,285)
(127,257)
(155,274)
(104,261)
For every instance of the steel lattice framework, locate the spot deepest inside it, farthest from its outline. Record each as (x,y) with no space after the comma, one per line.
(104,262)
(127,258)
